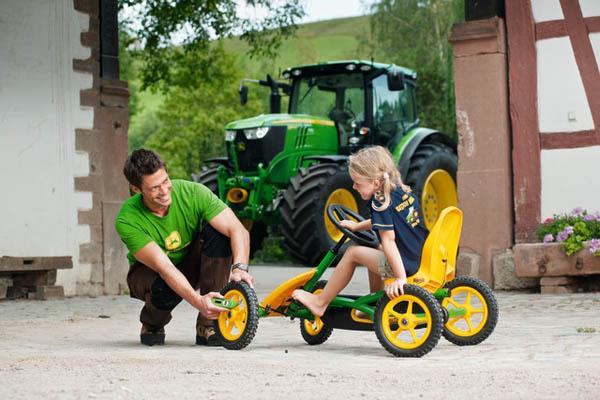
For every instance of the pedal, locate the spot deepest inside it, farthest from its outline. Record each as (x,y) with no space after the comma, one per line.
(224,303)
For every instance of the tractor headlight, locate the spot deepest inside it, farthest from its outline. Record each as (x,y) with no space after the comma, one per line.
(256,133)
(229,136)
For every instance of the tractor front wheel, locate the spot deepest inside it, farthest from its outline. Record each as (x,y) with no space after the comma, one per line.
(308,233)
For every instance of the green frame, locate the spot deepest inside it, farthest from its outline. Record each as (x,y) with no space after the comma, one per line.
(366,303)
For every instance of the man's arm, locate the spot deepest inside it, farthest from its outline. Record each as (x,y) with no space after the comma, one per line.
(152,256)
(229,225)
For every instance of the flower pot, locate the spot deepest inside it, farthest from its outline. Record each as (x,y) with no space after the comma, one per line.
(547,260)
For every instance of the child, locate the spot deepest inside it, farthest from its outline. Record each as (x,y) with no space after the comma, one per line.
(395,217)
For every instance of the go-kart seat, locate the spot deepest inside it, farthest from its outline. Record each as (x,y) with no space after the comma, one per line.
(438,258)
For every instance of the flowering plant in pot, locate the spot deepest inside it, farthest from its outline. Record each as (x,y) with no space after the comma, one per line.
(572,230)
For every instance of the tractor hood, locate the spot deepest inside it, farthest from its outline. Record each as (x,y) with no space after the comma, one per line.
(278,120)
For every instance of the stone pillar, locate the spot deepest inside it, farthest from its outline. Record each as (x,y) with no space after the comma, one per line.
(484,147)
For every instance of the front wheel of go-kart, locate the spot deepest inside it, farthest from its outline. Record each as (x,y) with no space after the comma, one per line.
(236,328)
(480,311)
(409,325)
(317,331)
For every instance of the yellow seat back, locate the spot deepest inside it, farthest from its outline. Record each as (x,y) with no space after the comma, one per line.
(438,258)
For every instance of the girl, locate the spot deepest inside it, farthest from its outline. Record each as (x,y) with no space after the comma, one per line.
(395,217)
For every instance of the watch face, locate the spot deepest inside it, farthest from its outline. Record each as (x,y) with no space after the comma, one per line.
(241,266)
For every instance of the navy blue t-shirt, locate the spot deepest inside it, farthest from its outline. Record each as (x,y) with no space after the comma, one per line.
(403,216)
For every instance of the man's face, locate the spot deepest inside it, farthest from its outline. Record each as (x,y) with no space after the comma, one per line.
(156,189)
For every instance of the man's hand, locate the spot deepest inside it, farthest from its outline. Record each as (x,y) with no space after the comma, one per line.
(238,275)
(207,308)
(348,224)
(395,288)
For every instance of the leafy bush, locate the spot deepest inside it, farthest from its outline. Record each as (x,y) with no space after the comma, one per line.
(572,230)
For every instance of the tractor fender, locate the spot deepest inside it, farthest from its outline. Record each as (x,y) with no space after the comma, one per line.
(422,135)
(218,160)
(330,159)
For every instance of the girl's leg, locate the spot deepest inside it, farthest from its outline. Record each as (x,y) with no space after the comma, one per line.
(355,255)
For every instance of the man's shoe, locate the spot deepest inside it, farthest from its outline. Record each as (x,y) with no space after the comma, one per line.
(151,335)
(206,336)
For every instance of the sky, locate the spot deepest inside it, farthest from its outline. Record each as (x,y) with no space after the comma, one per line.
(318,10)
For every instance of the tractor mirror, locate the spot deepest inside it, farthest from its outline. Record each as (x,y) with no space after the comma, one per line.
(395,80)
(243,94)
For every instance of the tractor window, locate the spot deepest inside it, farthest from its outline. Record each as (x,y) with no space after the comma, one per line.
(312,99)
(392,110)
(339,97)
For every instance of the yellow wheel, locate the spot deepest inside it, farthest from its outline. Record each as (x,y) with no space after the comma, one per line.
(438,193)
(317,331)
(432,176)
(236,327)
(409,325)
(339,196)
(477,304)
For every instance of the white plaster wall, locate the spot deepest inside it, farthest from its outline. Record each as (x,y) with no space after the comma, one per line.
(570,179)
(562,103)
(590,8)
(546,10)
(39,112)
(595,40)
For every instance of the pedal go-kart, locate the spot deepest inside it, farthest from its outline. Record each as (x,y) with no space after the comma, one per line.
(434,302)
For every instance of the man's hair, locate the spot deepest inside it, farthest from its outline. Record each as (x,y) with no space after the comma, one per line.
(141,162)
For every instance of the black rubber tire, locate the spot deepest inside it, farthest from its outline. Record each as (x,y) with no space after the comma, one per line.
(208,177)
(251,320)
(303,209)
(492,306)
(428,157)
(325,331)
(435,329)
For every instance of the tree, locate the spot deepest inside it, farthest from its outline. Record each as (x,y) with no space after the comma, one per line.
(414,33)
(157,23)
(192,119)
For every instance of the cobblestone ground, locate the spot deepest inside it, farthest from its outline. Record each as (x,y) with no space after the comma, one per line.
(544,347)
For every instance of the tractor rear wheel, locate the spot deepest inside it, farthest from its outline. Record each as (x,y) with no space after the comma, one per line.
(432,176)
(308,233)
(209,178)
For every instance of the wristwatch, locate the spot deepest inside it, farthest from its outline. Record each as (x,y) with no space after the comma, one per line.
(241,266)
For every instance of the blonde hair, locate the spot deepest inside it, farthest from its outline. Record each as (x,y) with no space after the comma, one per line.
(375,163)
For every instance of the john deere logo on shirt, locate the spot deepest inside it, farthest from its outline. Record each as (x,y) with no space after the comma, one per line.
(413,217)
(173,241)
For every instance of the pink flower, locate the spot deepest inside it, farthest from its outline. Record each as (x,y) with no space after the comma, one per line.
(548,220)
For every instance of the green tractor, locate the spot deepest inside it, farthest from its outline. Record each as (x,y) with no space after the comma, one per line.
(285,169)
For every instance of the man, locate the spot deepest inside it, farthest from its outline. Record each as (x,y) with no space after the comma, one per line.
(180,238)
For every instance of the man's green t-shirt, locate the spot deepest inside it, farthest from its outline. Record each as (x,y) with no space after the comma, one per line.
(191,204)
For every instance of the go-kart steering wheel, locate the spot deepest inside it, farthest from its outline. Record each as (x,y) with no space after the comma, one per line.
(337,213)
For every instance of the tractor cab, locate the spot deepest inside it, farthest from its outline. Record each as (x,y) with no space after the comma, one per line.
(370,103)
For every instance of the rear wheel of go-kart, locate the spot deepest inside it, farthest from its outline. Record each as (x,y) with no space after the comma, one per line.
(481,308)
(409,325)
(236,328)
(258,230)
(317,331)
(308,233)
(432,175)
